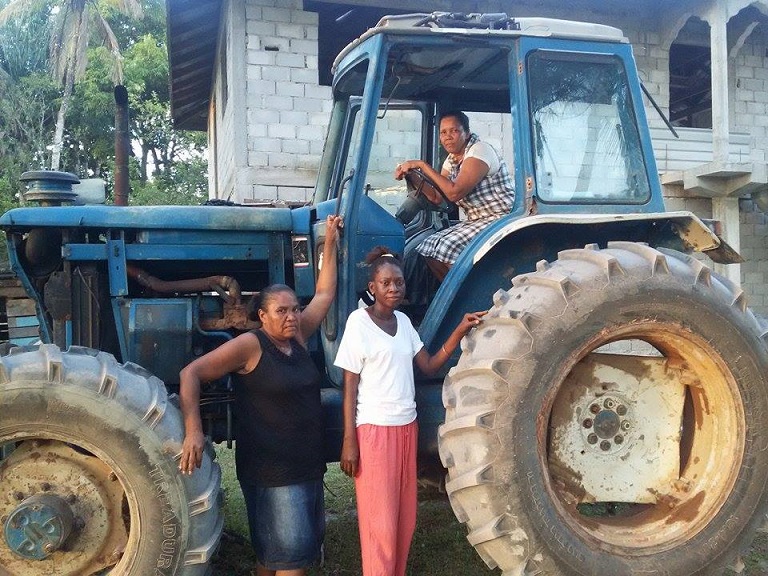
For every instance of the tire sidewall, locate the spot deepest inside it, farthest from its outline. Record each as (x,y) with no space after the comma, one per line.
(557,342)
(139,457)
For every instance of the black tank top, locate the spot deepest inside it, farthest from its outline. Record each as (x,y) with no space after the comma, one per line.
(278,418)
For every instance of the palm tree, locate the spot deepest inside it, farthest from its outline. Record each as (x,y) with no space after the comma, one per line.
(73,24)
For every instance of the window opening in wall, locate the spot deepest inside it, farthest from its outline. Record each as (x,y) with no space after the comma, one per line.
(690,77)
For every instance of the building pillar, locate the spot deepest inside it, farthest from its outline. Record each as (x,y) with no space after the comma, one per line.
(718,26)
(726,210)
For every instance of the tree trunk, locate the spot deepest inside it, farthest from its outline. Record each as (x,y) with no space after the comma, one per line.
(69,85)
(144,162)
(58,136)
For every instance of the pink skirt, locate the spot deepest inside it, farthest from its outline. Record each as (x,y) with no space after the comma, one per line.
(386,496)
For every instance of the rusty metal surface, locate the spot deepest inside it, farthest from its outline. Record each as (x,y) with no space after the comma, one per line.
(226,286)
(122,146)
(615,431)
(91,490)
(708,424)
(234,317)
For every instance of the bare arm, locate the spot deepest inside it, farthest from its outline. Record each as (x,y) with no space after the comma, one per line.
(325,291)
(239,355)
(472,171)
(350,452)
(431,364)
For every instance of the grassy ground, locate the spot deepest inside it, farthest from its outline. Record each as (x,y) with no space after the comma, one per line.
(439,546)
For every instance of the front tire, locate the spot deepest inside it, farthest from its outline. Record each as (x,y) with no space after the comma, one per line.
(99,442)
(525,511)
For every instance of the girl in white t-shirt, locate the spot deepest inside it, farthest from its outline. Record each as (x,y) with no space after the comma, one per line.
(377,353)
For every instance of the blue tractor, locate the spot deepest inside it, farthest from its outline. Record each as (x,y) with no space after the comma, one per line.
(608,417)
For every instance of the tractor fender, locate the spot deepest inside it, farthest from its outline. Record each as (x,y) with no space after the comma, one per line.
(513,246)
(698,235)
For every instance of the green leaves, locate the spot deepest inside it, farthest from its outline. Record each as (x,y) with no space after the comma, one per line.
(169,166)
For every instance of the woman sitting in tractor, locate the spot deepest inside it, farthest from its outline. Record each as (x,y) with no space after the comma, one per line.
(473,176)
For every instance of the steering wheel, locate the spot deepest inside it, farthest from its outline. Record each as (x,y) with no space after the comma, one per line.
(417,182)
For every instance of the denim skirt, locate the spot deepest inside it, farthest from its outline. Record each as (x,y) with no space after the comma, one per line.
(287,523)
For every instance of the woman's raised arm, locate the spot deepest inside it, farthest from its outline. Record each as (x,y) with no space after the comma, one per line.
(325,291)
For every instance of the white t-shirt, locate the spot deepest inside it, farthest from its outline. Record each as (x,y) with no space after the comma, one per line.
(386,393)
(483,152)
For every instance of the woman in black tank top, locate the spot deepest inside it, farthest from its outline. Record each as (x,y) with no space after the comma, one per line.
(278,420)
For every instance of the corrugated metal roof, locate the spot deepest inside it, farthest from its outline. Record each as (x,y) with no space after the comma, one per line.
(193,31)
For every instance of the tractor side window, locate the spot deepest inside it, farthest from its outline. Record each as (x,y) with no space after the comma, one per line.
(495,128)
(586,141)
(398,137)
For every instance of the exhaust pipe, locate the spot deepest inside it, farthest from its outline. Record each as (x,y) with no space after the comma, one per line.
(122,145)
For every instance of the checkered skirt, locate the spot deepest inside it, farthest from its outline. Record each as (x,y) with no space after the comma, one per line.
(447,244)
(490,199)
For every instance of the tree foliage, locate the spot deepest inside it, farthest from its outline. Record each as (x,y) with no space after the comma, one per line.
(26,115)
(169,166)
(21,51)
(72,26)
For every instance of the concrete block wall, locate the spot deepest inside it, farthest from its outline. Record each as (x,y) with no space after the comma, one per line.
(496,130)
(749,95)
(652,60)
(754,248)
(287,111)
(749,113)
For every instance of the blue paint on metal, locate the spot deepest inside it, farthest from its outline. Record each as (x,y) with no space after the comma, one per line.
(118,276)
(277,259)
(97,252)
(160,335)
(300,219)
(210,333)
(37,528)
(152,217)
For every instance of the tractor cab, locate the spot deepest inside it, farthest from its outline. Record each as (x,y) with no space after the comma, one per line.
(559,101)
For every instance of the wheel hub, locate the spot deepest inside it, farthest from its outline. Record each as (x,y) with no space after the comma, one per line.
(615,416)
(608,423)
(61,509)
(38,526)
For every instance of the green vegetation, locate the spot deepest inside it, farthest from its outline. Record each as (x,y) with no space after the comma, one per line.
(36,84)
(440,547)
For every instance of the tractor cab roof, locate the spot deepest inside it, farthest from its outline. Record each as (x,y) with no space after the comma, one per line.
(497,25)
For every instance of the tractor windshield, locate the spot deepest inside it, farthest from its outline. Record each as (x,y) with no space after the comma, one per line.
(586,142)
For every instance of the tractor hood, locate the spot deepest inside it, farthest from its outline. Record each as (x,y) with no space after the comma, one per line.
(151,217)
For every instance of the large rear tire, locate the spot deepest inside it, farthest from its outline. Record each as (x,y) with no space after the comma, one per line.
(92,451)
(524,513)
